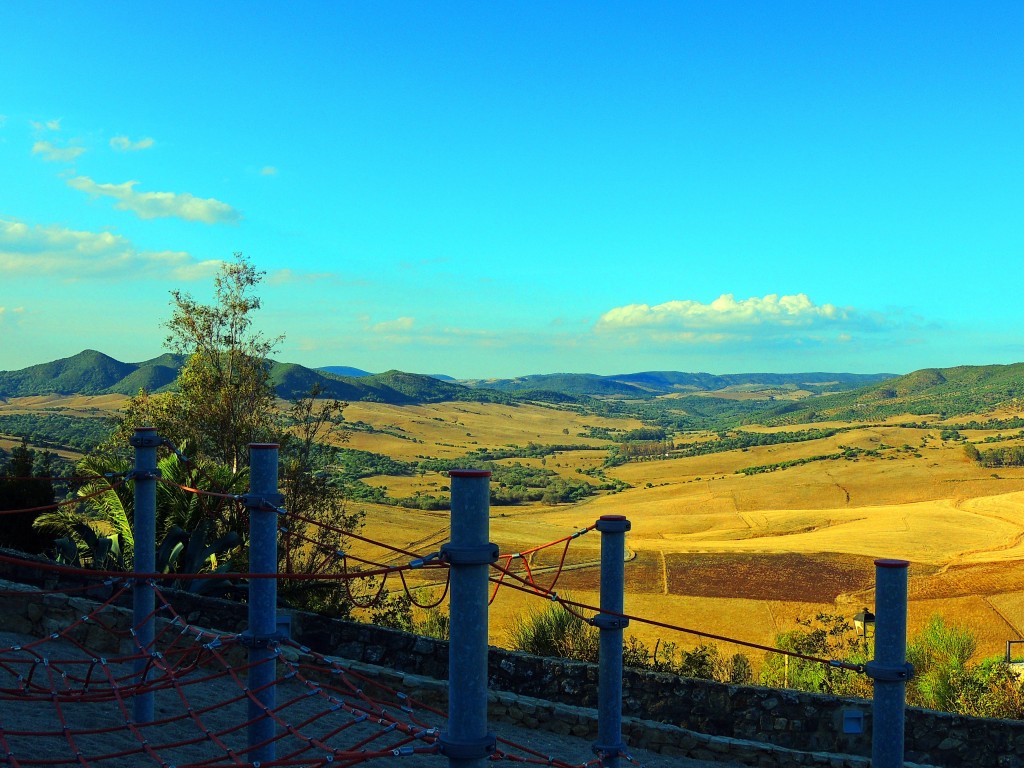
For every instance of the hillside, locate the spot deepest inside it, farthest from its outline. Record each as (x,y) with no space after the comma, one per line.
(94,373)
(945,392)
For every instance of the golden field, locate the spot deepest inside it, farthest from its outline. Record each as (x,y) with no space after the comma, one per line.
(714,550)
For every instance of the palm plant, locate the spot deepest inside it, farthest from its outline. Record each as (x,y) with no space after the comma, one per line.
(195,529)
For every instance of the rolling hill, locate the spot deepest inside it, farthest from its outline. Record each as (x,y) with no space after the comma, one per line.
(946,392)
(807,397)
(94,373)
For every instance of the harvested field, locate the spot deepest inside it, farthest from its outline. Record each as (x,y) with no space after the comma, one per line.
(817,578)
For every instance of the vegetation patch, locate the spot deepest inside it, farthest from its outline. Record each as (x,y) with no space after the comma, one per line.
(48,430)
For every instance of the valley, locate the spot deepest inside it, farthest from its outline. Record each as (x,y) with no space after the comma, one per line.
(735,542)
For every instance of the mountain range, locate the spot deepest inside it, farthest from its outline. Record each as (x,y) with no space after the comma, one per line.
(93,373)
(811,396)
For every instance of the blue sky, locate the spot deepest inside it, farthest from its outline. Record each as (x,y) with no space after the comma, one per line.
(497,189)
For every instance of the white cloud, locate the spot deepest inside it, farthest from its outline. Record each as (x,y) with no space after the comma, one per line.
(53,154)
(75,254)
(3,120)
(157,205)
(726,320)
(124,144)
(725,312)
(48,125)
(398,325)
(268,170)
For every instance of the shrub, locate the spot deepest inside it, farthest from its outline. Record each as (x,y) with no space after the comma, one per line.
(554,631)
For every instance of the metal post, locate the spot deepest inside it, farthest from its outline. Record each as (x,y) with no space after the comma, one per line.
(889,669)
(467,743)
(145,441)
(262,500)
(609,692)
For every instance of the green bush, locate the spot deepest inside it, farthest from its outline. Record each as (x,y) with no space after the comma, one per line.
(554,631)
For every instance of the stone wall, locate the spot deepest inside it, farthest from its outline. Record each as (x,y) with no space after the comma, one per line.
(798,728)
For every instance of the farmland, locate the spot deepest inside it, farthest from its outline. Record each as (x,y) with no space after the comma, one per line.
(715,545)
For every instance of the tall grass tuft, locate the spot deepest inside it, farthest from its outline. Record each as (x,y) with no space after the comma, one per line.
(554,631)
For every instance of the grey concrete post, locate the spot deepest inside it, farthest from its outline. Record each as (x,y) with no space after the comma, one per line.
(467,743)
(609,692)
(145,441)
(261,501)
(889,669)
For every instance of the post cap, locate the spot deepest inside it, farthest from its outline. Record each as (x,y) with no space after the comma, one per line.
(886,563)
(469,473)
(613,524)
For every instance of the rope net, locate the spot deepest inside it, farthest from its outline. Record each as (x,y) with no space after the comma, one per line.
(66,699)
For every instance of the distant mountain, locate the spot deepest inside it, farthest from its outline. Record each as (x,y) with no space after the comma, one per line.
(344,370)
(841,396)
(87,373)
(93,373)
(655,383)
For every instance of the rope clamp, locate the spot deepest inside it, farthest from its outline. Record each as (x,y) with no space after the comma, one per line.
(607,621)
(143,474)
(266,502)
(421,561)
(889,673)
(145,440)
(608,750)
(251,640)
(482,554)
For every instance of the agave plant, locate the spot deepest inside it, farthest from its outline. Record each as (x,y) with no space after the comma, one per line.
(184,551)
(101,552)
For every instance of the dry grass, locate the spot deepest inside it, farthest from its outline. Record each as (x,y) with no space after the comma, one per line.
(727,553)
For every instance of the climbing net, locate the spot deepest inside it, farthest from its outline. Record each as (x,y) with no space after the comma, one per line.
(66,698)
(67,691)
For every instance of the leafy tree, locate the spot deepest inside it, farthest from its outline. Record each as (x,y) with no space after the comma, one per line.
(318,514)
(224,388)
(107,511)
(224,398)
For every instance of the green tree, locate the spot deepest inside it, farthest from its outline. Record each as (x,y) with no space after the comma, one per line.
(224,398)
(319,517)
(224,388)
(25,486)
(107,509)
